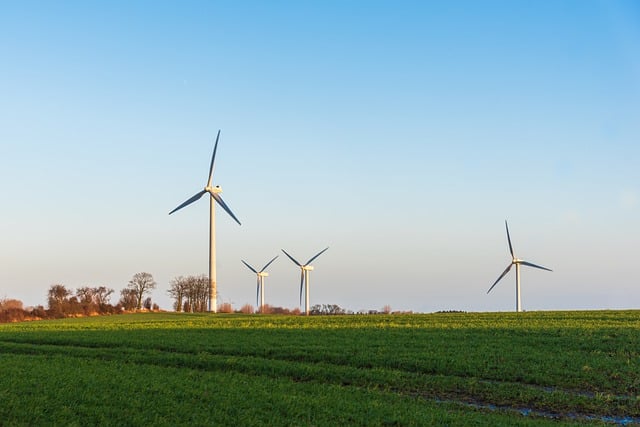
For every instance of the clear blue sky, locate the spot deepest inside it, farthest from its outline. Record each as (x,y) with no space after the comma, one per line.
(400,134)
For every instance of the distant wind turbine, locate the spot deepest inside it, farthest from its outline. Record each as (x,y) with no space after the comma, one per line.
(260,288)
(215,197)
(304,276)
(517,262)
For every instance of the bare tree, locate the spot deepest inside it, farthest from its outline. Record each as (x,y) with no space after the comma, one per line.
(198,293)
(141,284)
(102,294)
(94,300)
(190,293)
(178,290)
(58,297)
(85,300)
(85,295)
(128,299)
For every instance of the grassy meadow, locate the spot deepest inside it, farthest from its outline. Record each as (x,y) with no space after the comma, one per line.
(537,368)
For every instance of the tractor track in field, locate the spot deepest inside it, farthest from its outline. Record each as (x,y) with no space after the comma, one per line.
(574,416)
(338,363)
(245,363)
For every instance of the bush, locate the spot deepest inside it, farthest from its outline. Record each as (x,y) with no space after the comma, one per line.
(327,309)
(225,307)
(38,312)
(247,309)
(265,309)
(12,315)
(9,304)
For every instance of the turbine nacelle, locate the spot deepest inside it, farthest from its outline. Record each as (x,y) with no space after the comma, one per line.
(263,274)
(213,190)
(307,267)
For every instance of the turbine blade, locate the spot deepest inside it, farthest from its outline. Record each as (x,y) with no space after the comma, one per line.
(188,202)
(268,264)
(213,159)
(509,239)
(250,268)
(301,283)
(317,255)
(501,276)
(224,206)
(535,266)
(291,258)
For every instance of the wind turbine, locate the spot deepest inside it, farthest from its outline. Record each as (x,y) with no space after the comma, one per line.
(517,262)
(261,275)
(215,198)
(304,276)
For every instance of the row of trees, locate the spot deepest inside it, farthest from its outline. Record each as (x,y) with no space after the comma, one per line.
(96,300)
(190,293)
(12,310)
(84,301)
(265,309)
(327,309)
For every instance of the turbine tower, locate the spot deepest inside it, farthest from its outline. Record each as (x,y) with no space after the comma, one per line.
(304,276)
(215,198)
(517,262)
(260,288)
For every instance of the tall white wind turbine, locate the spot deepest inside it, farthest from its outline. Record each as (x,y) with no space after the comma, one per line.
(517,262)
(260,288)
(304,276)
(215,198)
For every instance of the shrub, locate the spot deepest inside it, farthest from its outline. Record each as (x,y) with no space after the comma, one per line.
(8,304)
(247,309)
(225,307)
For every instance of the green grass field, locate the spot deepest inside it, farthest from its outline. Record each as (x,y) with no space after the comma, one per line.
(539,368)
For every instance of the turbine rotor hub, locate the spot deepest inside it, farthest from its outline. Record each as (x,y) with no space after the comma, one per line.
(213,190)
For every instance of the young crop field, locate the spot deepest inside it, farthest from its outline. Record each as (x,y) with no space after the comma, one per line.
(537,368)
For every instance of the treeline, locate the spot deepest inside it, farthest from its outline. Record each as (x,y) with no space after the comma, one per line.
(333,309)
(265,309)
(84,301)
(12,310)
(189,293)
(90,301)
